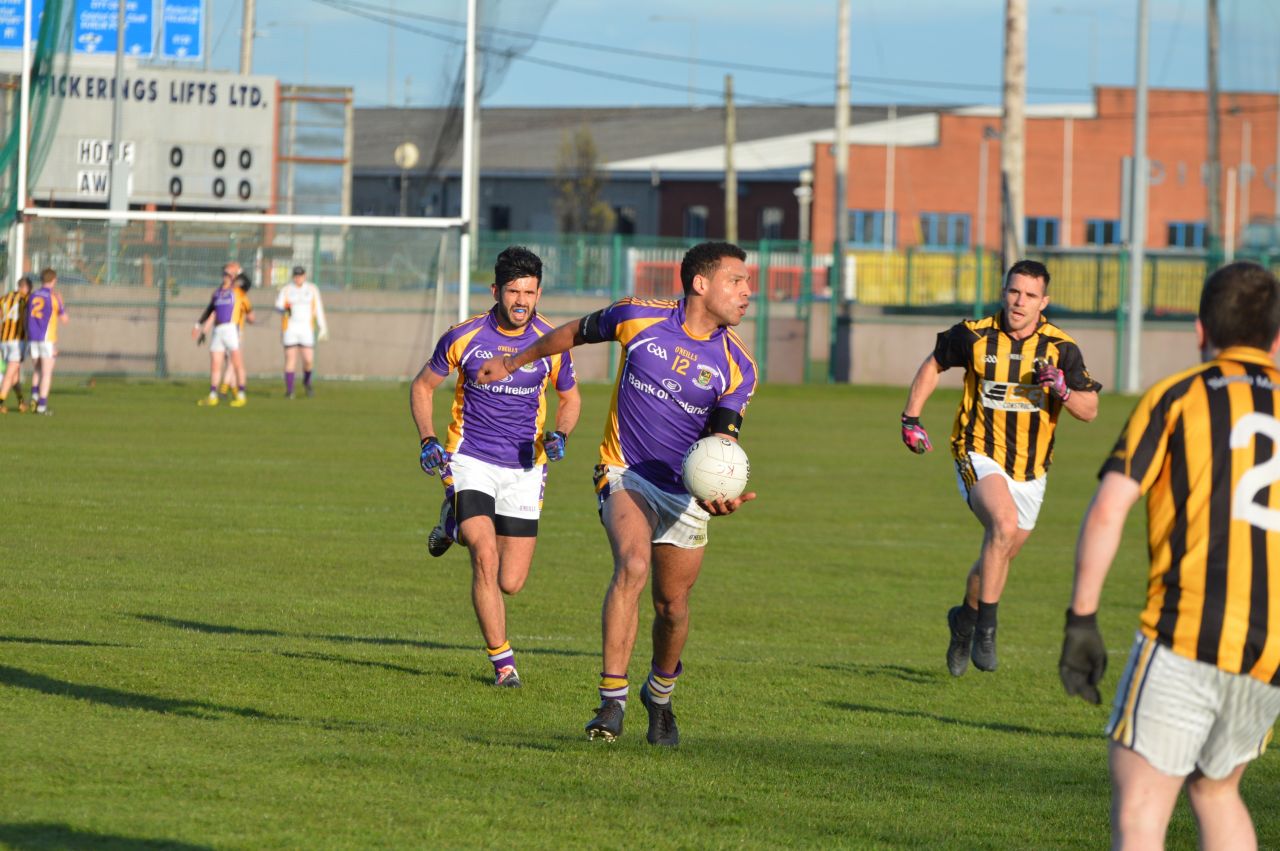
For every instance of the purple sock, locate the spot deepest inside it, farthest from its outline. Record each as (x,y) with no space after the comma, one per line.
(241,389)
(306,377)
(213,389)
(288,382)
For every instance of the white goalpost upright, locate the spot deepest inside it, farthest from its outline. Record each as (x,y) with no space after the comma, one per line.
(18,240)
(468,164)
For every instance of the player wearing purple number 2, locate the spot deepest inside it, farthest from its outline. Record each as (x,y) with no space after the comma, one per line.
(684,374)
(1021,372)
(493,462)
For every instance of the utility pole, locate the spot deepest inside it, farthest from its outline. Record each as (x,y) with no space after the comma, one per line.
(1138,214)
(247,26)
(1013,152)
(835,369)
(1213,177)
(730,173)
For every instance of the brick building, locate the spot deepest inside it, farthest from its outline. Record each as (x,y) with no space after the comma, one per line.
(941,195)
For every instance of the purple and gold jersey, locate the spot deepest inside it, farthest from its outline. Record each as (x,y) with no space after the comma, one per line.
(229,304)
(668,384)
(43,310)
(500,423)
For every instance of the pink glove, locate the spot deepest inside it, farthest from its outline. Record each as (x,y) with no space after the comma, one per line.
(1053,380)
(914,435)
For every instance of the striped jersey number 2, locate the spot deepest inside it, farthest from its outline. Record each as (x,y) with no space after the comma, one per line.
(1256,478)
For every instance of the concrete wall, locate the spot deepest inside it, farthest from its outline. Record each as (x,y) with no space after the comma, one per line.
(390,335)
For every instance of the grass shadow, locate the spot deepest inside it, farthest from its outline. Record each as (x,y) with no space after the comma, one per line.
(994,726)
(56,642)
(919,676)
(417,644)
(120,699)
(49,835)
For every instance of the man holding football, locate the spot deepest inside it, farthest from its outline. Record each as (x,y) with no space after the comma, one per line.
(684,374)
(1021,371)
(494,461)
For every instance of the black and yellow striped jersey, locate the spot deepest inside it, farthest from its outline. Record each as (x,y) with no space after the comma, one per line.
(1004,414)
(1202,446)
(13,317)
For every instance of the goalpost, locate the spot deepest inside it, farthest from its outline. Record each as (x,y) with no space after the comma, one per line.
(170,248)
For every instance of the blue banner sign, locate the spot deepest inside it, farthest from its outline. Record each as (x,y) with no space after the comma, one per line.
(11,12)
(96,27)
(183,27)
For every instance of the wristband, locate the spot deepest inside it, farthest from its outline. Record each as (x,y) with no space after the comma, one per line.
(1081,620)
(910,421)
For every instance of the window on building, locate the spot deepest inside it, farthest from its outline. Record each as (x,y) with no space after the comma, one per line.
(1042,231)
(867,227)
(1187,235)
(1102,232)
(499,217)
(944,230)
(771,219)
(695,222)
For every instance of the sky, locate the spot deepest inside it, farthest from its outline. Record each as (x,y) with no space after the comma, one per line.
(677,52)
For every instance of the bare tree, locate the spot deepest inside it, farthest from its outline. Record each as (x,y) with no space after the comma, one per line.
(578,184)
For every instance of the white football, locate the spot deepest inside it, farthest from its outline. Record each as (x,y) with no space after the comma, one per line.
(716,468)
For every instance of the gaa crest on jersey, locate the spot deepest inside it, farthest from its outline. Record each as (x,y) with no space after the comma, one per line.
(705,374)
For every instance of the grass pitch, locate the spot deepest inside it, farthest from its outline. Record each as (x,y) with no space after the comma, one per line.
(220,629)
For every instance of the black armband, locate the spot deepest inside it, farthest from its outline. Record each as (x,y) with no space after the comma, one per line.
(724,421)
(589,328)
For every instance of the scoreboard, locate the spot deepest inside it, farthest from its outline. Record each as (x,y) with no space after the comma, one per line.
(187,139)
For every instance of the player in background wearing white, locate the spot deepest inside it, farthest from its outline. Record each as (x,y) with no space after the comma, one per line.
(303,314)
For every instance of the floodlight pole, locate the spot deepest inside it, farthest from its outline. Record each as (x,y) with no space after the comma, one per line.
(24,132)
(248,24)
(1138,215)
(468,164)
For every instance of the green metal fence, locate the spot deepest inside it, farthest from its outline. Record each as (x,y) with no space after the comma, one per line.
(164,261)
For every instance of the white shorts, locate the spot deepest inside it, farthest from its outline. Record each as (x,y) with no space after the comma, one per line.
(1027,496)
(1180,714)
(13,351)
(675,518)
(305,337)
(515,492)
(226,338)
(39,349)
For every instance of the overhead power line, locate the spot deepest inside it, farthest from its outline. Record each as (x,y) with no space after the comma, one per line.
(386,15)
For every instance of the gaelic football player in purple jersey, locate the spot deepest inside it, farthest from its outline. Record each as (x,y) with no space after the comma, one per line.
(684,374)
(493,461)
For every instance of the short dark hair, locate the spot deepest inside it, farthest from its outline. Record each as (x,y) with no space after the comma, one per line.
(26,279)
(515,262)
(1240,306)
(242,281)
(48,275)
(704,258)
(1029,268)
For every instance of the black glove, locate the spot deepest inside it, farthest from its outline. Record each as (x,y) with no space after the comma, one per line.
(1084,657)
